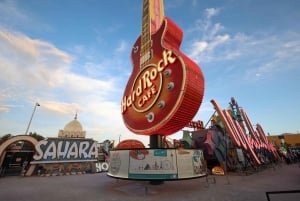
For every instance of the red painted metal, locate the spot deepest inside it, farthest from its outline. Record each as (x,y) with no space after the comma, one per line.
(181,103)
(130,144)
(235,131)
(228,127)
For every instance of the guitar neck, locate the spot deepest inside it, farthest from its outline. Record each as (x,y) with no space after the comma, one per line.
(152,17)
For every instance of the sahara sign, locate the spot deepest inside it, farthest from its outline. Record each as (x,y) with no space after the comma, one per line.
(55,150)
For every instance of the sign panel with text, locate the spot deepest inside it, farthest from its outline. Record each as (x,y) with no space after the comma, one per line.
(157,164)
(57,150)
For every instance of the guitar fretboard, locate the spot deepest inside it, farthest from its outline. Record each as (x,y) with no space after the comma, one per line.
(146,34)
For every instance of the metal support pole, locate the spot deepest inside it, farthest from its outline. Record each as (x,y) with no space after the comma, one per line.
(156,142)
(36,104)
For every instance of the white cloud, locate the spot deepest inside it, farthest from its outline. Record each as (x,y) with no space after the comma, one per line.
(12,15)
(35,70)
(272,55)
(255,56)
(204,50)
(122,47)
(30,61)
(215,29)
(9,11)
(210,12)
(219,40)
(198,47)
(60,107)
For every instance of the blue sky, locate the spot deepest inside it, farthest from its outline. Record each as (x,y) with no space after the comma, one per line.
(74,56)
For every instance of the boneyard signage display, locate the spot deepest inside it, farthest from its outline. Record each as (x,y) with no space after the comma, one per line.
(56,150)
(157,164)
(166,88)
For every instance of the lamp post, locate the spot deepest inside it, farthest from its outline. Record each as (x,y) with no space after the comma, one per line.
(36,105)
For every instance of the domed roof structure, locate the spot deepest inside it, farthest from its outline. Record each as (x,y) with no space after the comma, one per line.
(73,125)
(73,129)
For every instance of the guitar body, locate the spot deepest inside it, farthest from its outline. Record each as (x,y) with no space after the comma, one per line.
(165,89)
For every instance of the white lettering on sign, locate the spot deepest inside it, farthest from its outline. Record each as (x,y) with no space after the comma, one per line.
(102,167)
(60,152)
(65,150)
(144,87)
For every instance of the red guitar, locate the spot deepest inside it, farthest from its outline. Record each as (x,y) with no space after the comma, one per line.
(166,88)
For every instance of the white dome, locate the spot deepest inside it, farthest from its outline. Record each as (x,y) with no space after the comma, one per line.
(73,129)
(73,125)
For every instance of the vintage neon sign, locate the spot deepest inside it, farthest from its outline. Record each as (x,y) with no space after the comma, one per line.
(65,150)
(147,86)
(249,143)
(165,89)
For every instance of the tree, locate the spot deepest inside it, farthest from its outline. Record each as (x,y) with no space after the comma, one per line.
(5,137)
(36,136)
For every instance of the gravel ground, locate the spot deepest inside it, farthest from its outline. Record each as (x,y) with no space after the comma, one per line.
(98,187)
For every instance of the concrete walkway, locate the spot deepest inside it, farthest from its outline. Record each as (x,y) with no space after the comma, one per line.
(98,187)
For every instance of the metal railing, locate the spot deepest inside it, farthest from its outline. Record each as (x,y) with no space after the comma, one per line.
(281,192)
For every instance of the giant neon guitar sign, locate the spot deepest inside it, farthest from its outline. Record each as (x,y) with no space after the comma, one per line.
(166,88)
(147,86)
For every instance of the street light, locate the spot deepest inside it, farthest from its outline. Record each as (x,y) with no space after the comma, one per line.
(36,105)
